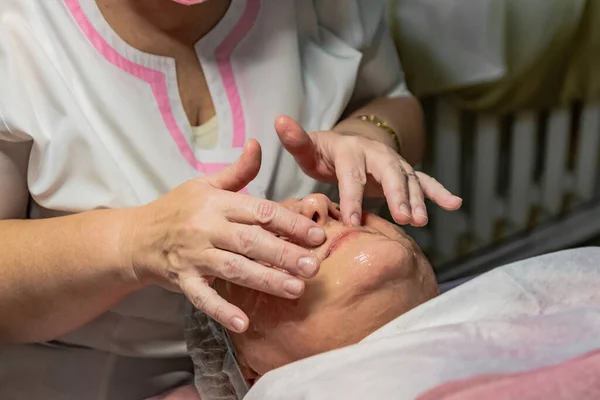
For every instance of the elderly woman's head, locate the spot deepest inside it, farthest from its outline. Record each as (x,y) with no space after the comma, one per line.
(369,275)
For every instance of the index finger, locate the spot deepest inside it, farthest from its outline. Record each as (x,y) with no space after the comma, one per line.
(207,300)
(274,218)
(352,178)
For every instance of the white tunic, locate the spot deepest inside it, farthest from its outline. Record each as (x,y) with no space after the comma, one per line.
(108,128)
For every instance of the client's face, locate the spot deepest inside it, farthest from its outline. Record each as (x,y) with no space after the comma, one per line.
(369,275)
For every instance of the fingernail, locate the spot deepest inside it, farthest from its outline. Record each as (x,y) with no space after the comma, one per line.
(316,235)
(238,324)
(404,209)
(355,219)
(308,266)
(293,287)
(419,210)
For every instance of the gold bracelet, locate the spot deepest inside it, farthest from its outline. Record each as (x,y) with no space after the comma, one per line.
(383,125)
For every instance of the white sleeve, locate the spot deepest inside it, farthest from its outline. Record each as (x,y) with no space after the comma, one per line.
(5,133)
(9,135)
(10,99)
(380,73)
(4,130)
(362,25)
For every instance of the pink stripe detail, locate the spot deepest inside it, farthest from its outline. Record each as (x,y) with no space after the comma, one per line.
(154,78)
(158,84)
(223,55)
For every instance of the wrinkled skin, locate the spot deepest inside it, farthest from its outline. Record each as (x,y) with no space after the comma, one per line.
(369,278)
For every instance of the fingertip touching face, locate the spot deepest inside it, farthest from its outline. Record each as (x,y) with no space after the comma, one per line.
(369,275)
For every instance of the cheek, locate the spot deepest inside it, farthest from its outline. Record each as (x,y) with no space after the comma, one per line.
(335,281)
(366,261)
(384,226)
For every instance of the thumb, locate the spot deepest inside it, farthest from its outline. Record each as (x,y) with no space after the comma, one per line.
(297,142)
(238,175)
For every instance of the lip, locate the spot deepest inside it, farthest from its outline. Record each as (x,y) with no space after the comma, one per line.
(340,239)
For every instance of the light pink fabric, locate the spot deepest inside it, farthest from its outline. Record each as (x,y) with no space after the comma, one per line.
(578,378)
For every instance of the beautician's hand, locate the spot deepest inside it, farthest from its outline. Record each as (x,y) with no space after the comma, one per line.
(203,229)
(364,166)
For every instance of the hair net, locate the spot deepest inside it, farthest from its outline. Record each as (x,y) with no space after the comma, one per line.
(216,372)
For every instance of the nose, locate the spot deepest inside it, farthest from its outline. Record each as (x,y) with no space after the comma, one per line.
(317,207)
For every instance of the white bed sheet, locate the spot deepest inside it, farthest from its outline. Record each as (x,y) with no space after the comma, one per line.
(519,317)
